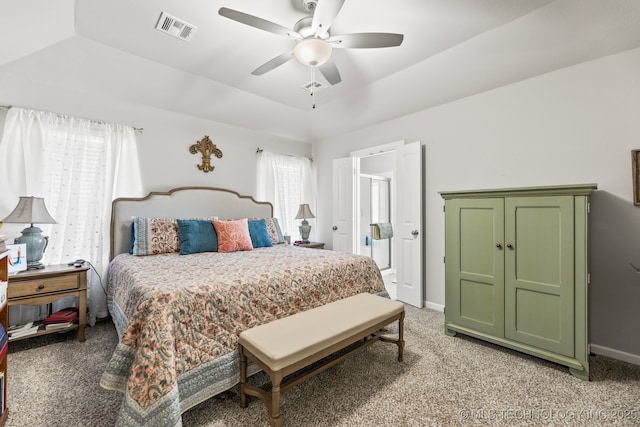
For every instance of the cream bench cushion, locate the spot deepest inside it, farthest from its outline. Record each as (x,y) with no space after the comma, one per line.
(286,341)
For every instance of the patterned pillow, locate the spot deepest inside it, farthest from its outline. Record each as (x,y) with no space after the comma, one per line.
(233,235)
(155,236)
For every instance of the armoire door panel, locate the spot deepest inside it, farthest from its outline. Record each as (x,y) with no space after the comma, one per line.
(538,315)
(476,264)
(538,257)
(477,302)
(539,272)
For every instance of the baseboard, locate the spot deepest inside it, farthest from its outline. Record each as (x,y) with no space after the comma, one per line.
(615,354)
(434,306)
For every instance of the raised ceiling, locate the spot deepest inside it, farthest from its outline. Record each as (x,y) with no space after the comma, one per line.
(452,49)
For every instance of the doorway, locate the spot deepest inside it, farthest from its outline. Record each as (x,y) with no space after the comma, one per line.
(403,167)
(374,202)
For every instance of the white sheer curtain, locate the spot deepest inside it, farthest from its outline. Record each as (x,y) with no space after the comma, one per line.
(286,181)
(79,166)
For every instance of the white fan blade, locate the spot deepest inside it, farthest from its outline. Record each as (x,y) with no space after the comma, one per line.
(330,72)
(262,24)
(324,15)
(274,63)
(365,40)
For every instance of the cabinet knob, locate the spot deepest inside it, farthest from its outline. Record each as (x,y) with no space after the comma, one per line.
(499,246)
(510,246)
(41,287)
(334,228)
(415,232)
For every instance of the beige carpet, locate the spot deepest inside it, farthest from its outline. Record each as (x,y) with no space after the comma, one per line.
(443,381)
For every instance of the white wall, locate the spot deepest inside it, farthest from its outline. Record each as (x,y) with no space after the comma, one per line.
(575,125)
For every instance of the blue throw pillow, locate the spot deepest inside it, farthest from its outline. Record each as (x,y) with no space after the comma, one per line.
(259,235)
(133,237)
(197,235)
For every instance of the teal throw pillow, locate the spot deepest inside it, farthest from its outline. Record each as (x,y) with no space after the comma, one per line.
(259,234)
(197,235)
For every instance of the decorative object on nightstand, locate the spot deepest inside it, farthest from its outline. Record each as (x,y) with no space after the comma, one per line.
(304,212)
(32,210)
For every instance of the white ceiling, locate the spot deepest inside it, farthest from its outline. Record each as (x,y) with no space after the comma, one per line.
(452,49)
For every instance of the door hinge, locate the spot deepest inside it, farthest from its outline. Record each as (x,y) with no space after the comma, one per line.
(444,259)
(588,207)
(444,208)
(588,278)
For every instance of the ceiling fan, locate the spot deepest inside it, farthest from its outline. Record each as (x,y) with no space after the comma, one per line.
(314,42)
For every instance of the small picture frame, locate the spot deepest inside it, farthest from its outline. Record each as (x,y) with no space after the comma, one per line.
(17,257)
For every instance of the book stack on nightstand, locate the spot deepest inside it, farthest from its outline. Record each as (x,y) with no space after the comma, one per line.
(61,319)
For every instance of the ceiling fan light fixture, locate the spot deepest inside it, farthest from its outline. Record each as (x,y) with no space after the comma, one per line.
(312,52)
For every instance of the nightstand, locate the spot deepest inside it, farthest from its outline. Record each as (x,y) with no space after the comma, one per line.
(312,245)
(38,287)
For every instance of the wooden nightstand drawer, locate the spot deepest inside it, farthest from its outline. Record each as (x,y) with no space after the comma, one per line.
(42,286)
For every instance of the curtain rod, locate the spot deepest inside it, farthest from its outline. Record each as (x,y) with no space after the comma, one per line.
(102,122)
(260,150)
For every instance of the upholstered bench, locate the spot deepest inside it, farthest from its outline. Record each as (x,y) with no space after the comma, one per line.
(290,344)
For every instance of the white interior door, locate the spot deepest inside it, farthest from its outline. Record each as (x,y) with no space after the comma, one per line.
(343,220)
(408,234)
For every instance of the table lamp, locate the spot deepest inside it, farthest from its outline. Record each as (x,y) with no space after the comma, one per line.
(31,210)
(304,212)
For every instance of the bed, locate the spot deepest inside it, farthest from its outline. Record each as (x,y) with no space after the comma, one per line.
(178,317)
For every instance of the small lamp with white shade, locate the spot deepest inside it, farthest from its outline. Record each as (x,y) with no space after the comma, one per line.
(304,212)
(32,210)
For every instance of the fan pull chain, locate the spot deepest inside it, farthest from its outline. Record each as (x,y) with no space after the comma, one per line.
(313,87)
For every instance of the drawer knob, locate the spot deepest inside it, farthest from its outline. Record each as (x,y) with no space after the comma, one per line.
(41,287)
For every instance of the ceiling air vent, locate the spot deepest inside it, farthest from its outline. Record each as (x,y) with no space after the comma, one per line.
(175,27)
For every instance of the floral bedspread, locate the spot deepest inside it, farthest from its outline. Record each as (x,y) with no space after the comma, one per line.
(179,318)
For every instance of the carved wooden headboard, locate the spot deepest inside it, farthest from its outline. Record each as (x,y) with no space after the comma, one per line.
(183,202)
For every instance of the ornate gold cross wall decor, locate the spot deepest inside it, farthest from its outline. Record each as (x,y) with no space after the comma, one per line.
(207,148)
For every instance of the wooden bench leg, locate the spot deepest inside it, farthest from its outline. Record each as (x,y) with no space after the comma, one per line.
(400,336)
(274,411)
(400,340)
(243,377)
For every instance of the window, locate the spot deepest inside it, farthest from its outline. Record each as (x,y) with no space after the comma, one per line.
(286,181)
(79,167)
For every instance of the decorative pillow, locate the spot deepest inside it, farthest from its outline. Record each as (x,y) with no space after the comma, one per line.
(233,235)
(276,237)
(259,235)
(197,235)
(155,236)
(273,228)
(133,237)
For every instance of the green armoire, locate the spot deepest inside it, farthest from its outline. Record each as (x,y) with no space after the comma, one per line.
(516,270)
